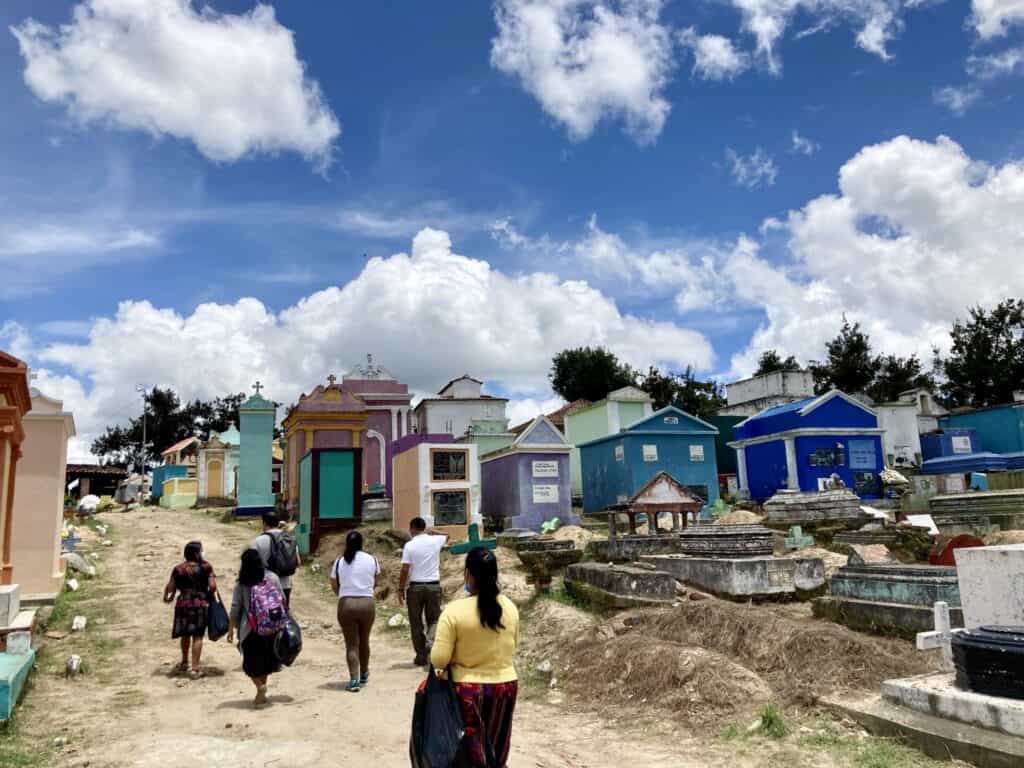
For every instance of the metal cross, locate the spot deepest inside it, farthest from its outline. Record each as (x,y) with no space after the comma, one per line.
(257,386)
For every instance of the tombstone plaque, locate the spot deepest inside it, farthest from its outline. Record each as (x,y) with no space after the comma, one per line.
(991,585)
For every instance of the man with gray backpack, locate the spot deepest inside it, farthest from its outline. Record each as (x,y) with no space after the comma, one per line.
(279,553)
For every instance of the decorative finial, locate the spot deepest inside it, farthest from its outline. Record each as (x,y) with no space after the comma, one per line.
(257,386)
(331,379)
(369,361)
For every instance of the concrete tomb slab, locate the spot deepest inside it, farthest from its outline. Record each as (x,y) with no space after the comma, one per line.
(890,599)
(806,508)
(10,603)
(513,537)
(992,585)
(619,586)
(937,694)
(629,548)
(746,577)
(14,671)
(978,513)
(727,541)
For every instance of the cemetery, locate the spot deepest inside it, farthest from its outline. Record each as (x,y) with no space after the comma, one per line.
(654,552)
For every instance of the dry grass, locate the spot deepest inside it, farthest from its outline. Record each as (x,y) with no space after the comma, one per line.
(801,659)
(702,685)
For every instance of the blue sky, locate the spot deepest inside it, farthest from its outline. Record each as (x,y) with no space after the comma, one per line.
(151,190)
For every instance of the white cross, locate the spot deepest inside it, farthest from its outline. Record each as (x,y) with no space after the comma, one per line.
(940,637)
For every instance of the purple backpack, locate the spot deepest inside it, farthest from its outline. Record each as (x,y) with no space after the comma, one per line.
(267,614)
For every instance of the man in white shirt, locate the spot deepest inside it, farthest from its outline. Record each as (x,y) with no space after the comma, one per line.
(421,572)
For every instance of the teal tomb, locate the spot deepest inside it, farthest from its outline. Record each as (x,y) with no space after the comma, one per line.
(256,417)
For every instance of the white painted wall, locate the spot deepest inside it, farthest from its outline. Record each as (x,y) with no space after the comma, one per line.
(788,385)
(901,438)
(454,417)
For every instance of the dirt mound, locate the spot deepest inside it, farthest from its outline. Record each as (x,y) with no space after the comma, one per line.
(703,685)
(833,560)
(1004,537)
(550,626)
(739,517)
(579,536)
(801,659)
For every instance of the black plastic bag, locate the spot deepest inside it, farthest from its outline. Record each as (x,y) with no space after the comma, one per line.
(437,727)
(288,643)
(216,619)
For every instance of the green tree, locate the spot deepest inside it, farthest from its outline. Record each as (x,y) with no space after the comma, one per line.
(894,375)
(849,365)
(588,373)
(685,391)
(986,360)
(770,362)
(167,422)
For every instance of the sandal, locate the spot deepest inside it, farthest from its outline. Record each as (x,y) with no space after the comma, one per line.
(195,674)
(181,668)
(261,696)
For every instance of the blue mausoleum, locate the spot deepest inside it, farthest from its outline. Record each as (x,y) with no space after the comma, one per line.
(616,466)
(800,445)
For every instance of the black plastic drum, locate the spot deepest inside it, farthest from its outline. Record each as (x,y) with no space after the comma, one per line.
(990,660)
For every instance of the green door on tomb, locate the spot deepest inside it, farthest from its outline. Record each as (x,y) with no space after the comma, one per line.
(337,485)
(305,502)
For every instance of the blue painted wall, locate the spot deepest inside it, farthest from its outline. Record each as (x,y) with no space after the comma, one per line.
(861,454)
(166,472)
(937,445)
(255,460)
(1001,430)
(607,481)
(506,488)
(766,468)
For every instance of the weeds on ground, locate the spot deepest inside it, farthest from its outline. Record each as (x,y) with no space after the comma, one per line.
(14,751)
(857,752)
(561,595)
(773,724)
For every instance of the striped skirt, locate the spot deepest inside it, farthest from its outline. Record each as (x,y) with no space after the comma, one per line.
(487,710)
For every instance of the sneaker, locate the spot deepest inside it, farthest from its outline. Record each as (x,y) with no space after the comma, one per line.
(353,686)
(364,678)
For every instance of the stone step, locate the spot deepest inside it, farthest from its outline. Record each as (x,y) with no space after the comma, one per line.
(935,736)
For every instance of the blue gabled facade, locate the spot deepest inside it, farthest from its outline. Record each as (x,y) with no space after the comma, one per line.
(800,444)
(615,467)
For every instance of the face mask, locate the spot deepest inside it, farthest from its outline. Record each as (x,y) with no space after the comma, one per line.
(466,587)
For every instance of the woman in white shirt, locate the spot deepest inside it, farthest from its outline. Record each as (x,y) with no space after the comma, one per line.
(353,577)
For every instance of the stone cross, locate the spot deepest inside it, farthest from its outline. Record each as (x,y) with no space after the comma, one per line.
(940,637)
(331,379)
(257,386)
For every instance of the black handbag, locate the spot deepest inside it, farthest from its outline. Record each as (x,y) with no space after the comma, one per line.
(217,621)
(437,727)
(288,643)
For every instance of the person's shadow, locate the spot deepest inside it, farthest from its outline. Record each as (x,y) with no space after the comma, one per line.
(247,703)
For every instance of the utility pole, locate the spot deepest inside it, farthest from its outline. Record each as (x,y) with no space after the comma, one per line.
(142,456)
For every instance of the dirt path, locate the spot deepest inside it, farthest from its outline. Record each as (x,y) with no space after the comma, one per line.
(130,711)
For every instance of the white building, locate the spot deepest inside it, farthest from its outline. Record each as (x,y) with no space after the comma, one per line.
(928,409)
(749,397)
(456,406)
(901,440)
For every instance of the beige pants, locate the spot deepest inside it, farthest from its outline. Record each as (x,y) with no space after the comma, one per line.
(356,616)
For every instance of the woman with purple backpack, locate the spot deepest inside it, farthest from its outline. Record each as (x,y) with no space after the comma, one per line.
(258,612)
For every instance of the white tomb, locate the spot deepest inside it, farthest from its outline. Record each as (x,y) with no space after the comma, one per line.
(991,585)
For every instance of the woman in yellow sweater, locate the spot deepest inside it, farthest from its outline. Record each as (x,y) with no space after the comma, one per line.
(477,638)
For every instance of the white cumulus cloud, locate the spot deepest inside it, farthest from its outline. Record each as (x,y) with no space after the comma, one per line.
(992,18)
(917,233)
(426,315)
(589,60)
(751,171)
(715,57)
(231,84)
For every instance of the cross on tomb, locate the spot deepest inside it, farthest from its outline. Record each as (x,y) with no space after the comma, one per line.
(257,386)
(474,542)
(940,637)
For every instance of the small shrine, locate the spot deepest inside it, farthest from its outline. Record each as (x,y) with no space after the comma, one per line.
(256,417)
(329,417)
